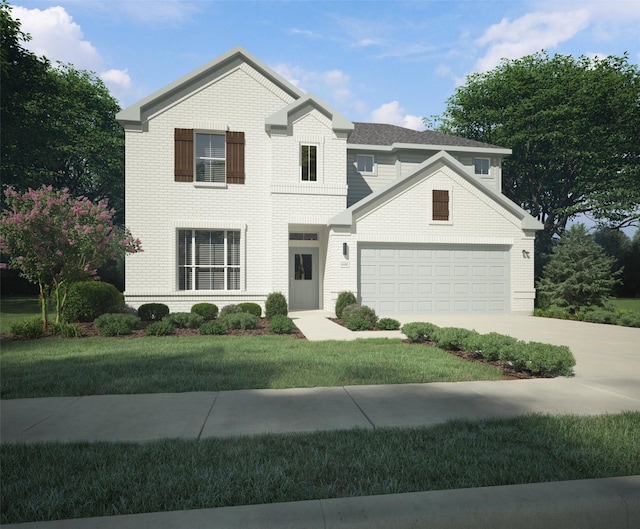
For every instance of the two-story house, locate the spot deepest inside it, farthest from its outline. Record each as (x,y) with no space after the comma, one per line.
(239,184)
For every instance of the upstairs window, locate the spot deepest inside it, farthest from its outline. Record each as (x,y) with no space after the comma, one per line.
(309,163)
(211,157)
(440,205)
(481,166)
(365,163)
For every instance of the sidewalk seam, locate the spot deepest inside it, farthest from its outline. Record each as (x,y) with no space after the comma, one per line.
(358,406)
(204,423)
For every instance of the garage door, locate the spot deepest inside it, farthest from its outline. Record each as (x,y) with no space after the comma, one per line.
(395,279)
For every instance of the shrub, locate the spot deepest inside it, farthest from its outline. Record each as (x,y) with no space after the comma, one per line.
(116,324)
(229,309)
(251,308)
(275,304)
(160,328)
(359,317)
(240,320)
(86,300)
(281,324)
(184,320)
(208,311)
(600,316)
(153,311)
(552,312)
(213,328)
(629,319)
(453,338)
(418,331)
(491,346)
(344,299)
(67,330)
(542,358)
(388,324)
(29,329)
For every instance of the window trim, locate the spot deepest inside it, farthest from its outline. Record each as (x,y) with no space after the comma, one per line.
(475,166)
(374,165)
(197,158)
(302,167)
(194,265)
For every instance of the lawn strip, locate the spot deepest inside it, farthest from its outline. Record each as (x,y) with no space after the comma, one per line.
(58,481)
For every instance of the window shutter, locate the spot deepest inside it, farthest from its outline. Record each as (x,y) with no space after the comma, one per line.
(235,157)
(440,204)
(183,169)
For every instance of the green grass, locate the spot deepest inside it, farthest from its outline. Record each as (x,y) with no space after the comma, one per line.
(59,481)
(632,304)
(55,367)
(15,309)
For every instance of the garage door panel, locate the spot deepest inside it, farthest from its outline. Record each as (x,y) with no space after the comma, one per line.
(406,278)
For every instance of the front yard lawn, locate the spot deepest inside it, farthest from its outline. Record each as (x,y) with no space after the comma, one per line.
(58,481)
(55,367)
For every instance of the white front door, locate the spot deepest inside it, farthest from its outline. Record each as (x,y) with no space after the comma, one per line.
(303,279)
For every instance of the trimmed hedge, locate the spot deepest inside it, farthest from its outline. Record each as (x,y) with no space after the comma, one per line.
(152,311)
(275,304)
(86,300)
(251,308)
(116,324)
(418,331)
(452,338)
(213,328)
(345,299)
(208,311)
(387,324)
(281,324)
(359,317)
(239,320)
(160,328)
(229,309)
(184,320)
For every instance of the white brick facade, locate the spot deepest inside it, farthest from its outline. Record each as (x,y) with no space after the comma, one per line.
(238,93)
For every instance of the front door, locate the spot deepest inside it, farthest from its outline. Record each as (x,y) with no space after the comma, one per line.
(303,279)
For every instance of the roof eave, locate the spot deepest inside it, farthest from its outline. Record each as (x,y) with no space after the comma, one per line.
(429,147)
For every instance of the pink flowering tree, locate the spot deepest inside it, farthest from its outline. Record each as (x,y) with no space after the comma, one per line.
(54,239)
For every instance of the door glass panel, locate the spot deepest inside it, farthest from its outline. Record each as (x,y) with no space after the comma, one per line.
(302,263)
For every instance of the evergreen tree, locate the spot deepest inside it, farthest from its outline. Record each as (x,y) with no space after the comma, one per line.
(578,274)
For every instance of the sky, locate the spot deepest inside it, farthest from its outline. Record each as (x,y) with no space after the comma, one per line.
(387,62)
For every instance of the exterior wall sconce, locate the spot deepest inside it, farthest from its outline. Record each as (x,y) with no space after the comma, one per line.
(345,249)
(525,254)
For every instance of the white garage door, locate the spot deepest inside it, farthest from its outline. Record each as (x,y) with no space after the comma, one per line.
(395,279)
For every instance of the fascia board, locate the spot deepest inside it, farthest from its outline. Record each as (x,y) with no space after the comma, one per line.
(133,113)
(429,147)
(281,117)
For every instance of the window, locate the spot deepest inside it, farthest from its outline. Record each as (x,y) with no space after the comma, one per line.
(365,163)
(481,165)
(215,157)
(208,260)
(303,236)
(303,267)
(308,163)
(440,204)
(210,158)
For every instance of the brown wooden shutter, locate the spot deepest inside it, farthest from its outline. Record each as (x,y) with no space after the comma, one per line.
(235,157)
(183,171)
(440,204)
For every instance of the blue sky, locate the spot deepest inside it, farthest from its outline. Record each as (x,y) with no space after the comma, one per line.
(394,61)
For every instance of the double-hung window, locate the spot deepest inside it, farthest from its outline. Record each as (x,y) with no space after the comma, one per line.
(481,165)
(210,158)
(365,163)
(309,163)
(208,260)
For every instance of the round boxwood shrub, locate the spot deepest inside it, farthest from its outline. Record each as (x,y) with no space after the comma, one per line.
(239,320)
(541,358)
(29,329)
(208,311)
(275,304)
(152,311)
(213,328)
(281,324)
(184,320)
(419,331)
(251,308)
(229,309)
(359,317)
(491,346)
(387,324)
(160,328)
(86,300)
(344,299)
(116,324)
(453,338)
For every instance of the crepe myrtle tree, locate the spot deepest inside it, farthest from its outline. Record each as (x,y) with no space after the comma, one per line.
(54,239)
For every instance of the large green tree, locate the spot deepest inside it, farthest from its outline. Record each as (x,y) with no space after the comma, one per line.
(58,125)
(574,127)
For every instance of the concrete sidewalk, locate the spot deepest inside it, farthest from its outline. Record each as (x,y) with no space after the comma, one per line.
(607,381)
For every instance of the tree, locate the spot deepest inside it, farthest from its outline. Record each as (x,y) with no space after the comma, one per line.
(578,274)
(59,125)
(54,240)
(573,126)
(617,244)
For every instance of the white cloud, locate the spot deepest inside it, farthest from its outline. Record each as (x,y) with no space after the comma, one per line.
(529,34)
(334,83)
(57,37)
(393,114)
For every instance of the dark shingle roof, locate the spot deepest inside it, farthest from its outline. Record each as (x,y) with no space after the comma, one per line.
(382,134)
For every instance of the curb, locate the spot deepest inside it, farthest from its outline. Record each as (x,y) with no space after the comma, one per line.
(607,503)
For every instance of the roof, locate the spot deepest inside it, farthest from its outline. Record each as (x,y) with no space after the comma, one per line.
(383,134)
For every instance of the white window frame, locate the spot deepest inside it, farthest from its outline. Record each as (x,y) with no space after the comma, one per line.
(231,267)
(374,165)
(209,158)
(317,164)
(476,167)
